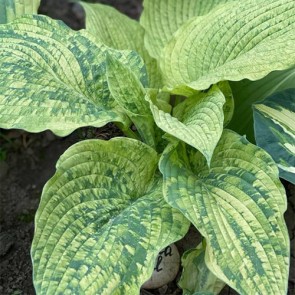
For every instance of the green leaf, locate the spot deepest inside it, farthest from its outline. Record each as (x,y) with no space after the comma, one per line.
(129,93)
(161,19)
(126,87)
(120,32)
(238,40)
(229,105)
(102,220)
(54,78)
(238,206)
(11,9)
(274,120)
(203,293)
(198,121)
(196,278)
(247,92)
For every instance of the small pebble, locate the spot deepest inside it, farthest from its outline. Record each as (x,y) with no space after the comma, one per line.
(166,268)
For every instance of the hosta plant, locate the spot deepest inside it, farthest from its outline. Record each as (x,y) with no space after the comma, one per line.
(180,83)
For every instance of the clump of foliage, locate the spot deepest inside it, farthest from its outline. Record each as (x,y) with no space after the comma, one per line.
(186,77)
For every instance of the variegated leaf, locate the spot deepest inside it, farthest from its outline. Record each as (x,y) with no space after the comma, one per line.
(237,40)
(120,32)
(238,206)
(198,120)
(196,278)
(102,220)
(129,93)
(11,9)
(247,92)
(161,19)
(274,123)
(54,78)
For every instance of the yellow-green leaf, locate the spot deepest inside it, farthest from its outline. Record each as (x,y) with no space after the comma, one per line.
(120,32)
(128,91)
(198,120)
(196,278)
(12,9)
(237,40)
(102,220)
(237,205)
(54,78)
(162,18)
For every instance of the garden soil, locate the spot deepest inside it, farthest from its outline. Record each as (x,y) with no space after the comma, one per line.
(27,161)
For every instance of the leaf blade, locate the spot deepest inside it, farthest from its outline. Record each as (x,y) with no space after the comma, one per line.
(161,19)
(196,278)
(99,225)
(120,32)
(198,121)
(12,9)
(247,92)
(274,121)
(238,206)
(234,42)
(54,78)
(128,91)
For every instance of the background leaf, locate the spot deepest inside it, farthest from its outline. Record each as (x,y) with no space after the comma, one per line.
(196,278)
(238,40)
(229,105)
(102,220)
(161,19)
(247,92)
(198,121)
(120,32)
(238,206)
(274,120)
(54,78)
(11,9)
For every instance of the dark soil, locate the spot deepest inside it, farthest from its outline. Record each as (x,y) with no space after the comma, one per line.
(27,161)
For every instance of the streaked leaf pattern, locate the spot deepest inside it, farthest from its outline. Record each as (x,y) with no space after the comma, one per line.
(238,40)
(238,206)
(198,121)
(12,9)
(274,124)
(54,78)
(127,89)
(102,220)
(161,19)
(196,278)
(129,93)
(120,32)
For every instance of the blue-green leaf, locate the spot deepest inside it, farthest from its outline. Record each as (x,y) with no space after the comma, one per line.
(247,92)
(274,119)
